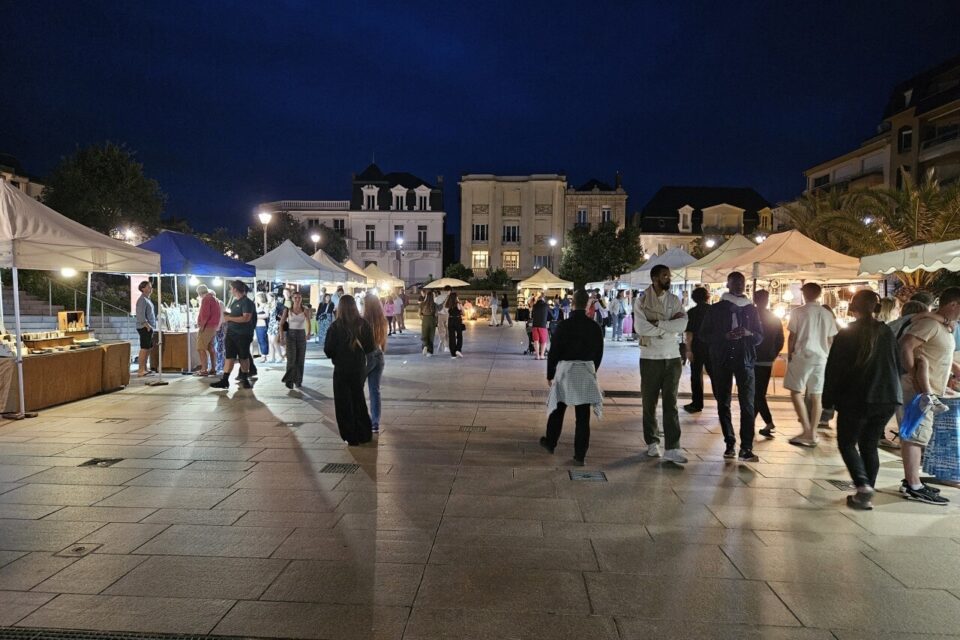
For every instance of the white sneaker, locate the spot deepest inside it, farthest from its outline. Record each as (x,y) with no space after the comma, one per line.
(424,351)
(674,456)
(459,355)
(653,450)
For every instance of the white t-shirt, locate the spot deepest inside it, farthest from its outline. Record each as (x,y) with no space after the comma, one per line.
(813,327)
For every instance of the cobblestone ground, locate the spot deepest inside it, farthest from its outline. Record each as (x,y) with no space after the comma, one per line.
(221,519)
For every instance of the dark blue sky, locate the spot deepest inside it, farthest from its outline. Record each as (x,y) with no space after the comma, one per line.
(232,103)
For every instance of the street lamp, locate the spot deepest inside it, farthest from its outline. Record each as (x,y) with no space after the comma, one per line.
(400,257)
(316,238)
(265,218)
(553,245)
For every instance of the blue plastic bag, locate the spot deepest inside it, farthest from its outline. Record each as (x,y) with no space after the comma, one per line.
(912,417)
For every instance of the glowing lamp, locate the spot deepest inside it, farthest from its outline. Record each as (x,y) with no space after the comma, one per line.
(194,281)
(787,295)
(760,238)
(553,242)
(868,220)
(265,217)
(68,272)
(315,237)
(400,242)
(129,234)
(217,282)
(711,243)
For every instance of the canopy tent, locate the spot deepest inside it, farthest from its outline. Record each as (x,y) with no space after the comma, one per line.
(923,257)
(324,258)
(383,279)
(607,284)
(675,259)
(287,263)
(735,246)
(446,282)
(34,236)
(789,255)
(350,265)
(544,279)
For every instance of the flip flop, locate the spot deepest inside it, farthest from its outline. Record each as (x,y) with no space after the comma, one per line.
(802,442)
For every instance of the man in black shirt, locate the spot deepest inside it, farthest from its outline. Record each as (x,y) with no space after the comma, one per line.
(697,351)
(241,319)
(767,352)
(538,317)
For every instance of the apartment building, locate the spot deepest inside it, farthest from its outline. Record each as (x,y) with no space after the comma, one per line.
(594,203)
(12,171)
(385,212)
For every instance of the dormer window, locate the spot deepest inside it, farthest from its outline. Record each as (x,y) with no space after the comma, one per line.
(686,218)
(399,198)
(369,197)
(423,198)
(766,219)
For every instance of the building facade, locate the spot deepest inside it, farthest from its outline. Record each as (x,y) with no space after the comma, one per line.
(919,135)
(595,203)
(386,212)
(12,172)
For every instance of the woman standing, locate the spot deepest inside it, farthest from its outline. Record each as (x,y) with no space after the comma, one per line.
(454,325)
(862,383)
(428,323)
(273,328)
(219,338)
(349,340)
(390,310)
(373,314)
(263,316)
(494,308)
(294,333)
(505,310)
(618,311)
(324,317)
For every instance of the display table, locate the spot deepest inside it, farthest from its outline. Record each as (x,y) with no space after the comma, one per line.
(175,346)
(941,458)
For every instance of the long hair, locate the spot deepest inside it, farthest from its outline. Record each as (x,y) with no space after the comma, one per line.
(350,320)
(373,314)
(865,304)
(452,301)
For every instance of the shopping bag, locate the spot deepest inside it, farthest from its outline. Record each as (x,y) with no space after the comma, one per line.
(912,417)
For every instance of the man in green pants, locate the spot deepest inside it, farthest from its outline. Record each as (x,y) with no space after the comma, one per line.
(659,319)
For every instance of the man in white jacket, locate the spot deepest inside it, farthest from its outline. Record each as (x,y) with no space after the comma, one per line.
(659,320)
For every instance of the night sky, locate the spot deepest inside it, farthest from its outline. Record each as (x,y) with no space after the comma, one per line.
(228,104)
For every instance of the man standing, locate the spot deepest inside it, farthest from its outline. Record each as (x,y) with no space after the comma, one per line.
(538,318)
(926,351)
(208,321)
(732,330)
(767,352)
(697,350)
(572,364)
(146,326)
(811,330)
(659,320)
(241,320)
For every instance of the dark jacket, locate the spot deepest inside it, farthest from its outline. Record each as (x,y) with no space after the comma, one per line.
(576,338)
(539,313)
(325,309)
(849,387)
(349,358)
(772,344)
(695,316)
(504,302)
(718,321)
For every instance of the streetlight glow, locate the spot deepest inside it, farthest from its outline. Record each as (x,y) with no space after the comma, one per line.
(399,242)
(760,238)
(711,243)
(553,242)
(68,272)
(194,281)
(217,282)
(315,237)
(129,234)
(265,217)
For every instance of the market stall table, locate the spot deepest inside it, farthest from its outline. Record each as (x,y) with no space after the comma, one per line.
(179,347)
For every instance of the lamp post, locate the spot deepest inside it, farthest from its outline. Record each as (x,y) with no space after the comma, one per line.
(553,247)
(316,238)
(265,218)
(400,258)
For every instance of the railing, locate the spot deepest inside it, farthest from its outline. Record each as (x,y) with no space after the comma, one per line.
(951,134)
(307,205)
(78,293)
(843,184)
(380,245)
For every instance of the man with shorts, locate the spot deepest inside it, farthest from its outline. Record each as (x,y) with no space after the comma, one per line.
(241,320)
(811,330)
(926,351)
(146,326)
(208,321)
(539,318)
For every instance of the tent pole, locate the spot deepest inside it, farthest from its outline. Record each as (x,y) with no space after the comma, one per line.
(159,381)
(189,350)
(176,291)
(3,322)
(89,286)
(22,413)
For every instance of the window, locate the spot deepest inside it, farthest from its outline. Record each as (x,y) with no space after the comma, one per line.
(581,216)
(686,218)
(422,202)
(511,260)
(821,181)
(397,232)
(369,197)
(480,232)
(905,139)
(511,233)
(766,220)
(371,236)
(367,263)
(422,237)
(540,261)
(606,215)
(398,202)
(340,225)
(479,260)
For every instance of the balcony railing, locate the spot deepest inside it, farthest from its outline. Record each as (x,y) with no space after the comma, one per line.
(723,230)
(947,142)
(307,205)
(511,240)
(380,245)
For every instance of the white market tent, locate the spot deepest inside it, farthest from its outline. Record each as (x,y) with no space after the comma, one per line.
(446,282)
(344,274)
(789,255)
(675,259)
(350,265)
(607,285)
(924,257)
(287,263)
(34,236)
(735,246)
(544,279)
(383,279)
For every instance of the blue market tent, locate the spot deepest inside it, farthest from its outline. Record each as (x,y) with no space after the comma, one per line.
(186,255)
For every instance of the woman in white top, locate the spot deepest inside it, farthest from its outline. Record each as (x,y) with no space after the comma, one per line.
(297,324)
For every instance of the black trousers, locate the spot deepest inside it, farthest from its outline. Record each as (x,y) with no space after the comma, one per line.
(860,427)
(454,340)
(722,376)
(699,362)
(581,439)
(353,418)
(760,406)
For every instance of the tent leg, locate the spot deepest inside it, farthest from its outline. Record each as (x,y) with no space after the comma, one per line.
(3,322)
(16,314)
(189,349)
(89,286)
(159,382)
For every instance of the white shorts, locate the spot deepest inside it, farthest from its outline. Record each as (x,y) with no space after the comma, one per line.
(805,376)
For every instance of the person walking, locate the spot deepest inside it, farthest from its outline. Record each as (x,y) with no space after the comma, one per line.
(400,302)
(263,317)
(294,338)
(600,312)
(732,330)
(273,328)
(428,323)
(660,319)
(348,342)
(390,311)
(494,309)
(146,326)
(575,355)
(220,337)
(325,313)
(861,381)
(811,329)
(241,320)
(539,316)
(455,325)
(767,352)
(505,311)
(697,350)
(443,315)
(618,311)
(208,320)
(373,314)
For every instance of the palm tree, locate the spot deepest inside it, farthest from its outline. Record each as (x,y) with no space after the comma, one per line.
(809,214)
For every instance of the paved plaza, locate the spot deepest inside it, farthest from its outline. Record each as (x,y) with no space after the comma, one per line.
(223,518)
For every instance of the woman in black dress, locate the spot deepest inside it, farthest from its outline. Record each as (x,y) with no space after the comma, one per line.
(349,340)
(454,325)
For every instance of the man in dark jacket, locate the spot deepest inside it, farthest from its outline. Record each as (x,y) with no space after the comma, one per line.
(767,352)
(697,351)
(578,338)
(732,330)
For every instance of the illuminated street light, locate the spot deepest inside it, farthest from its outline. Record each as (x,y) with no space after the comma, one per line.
(265,218)
(760,238)
(711,243)
(553,248)
(868,220)
(68,272)
(316,238)
(194,281)
(217,282)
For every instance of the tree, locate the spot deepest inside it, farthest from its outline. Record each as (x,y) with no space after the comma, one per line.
(457,270)
(333,243)
(600,254)
(496,279)
(104,188)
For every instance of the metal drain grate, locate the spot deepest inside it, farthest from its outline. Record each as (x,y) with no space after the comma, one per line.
(621,394)
(473,429)
(112,421)
(589,476)
(540,393)
(27,633)
(77,550)
(100,462)
(843,485)
(339,467)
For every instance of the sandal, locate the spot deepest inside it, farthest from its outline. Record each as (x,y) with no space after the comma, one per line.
(202,373)
(800,441)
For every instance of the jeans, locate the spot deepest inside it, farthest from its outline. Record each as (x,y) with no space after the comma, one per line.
(505,316)
(722,376)
(762,373)
(296,354)
(373,386)
(659,379)
(262,341)
(428,329)
(618,326)
(860,427)
(698,362)
(581,439)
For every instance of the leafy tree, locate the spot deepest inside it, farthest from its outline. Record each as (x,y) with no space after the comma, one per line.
(496,279)
(104,188)
(332,242)
(457,270)
(602,253)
